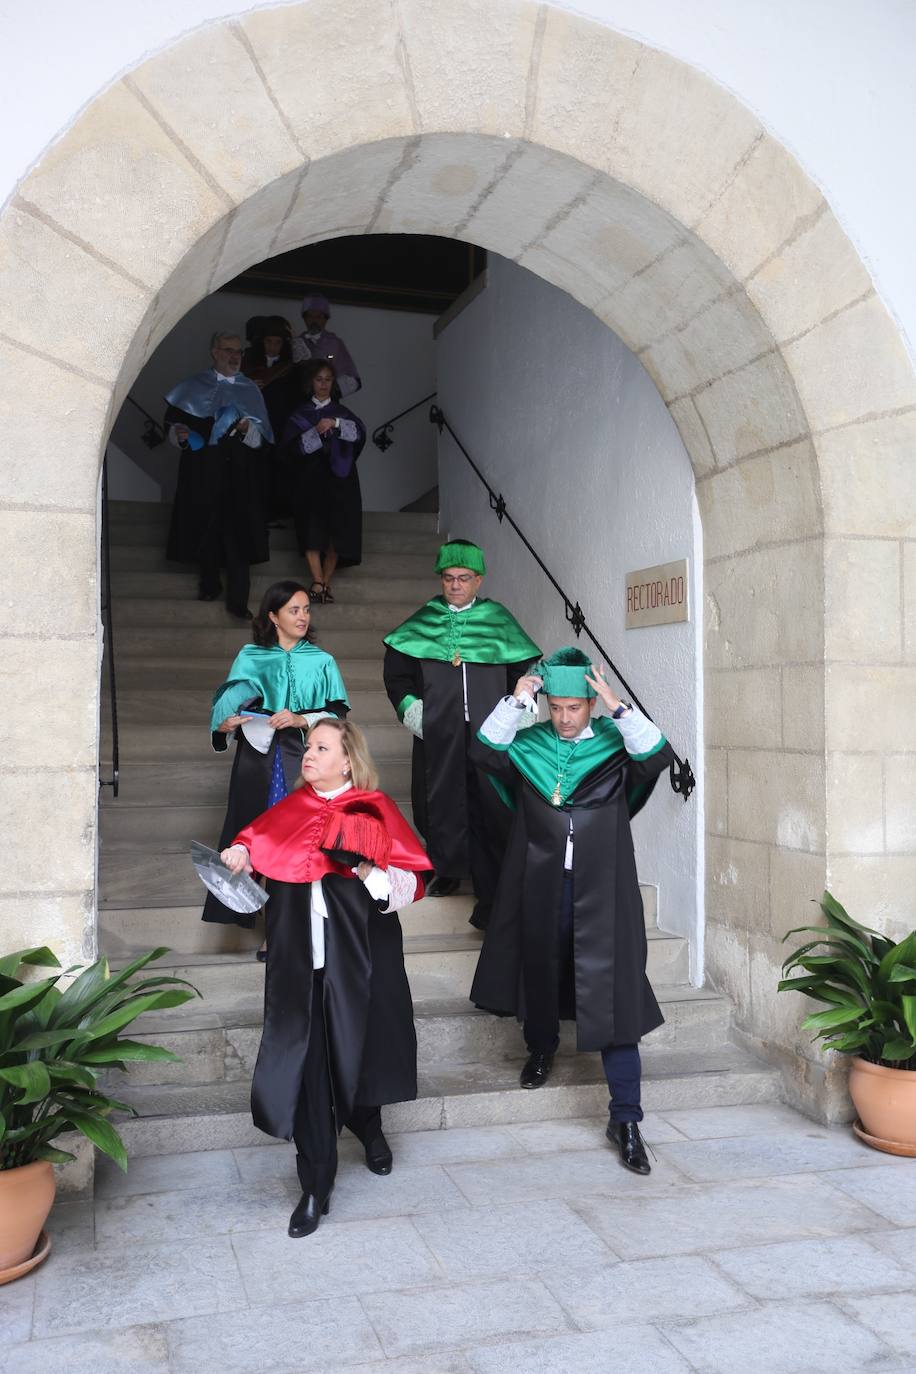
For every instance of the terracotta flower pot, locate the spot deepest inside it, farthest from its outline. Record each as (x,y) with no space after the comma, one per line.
(885,1100)
(26,1195)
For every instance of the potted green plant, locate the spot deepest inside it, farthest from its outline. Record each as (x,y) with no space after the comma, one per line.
(55,1044)
(868,983)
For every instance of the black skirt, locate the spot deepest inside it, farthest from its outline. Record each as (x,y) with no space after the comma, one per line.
(328,510)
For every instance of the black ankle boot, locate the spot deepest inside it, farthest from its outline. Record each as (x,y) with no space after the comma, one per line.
(307,1214)
(625,1135)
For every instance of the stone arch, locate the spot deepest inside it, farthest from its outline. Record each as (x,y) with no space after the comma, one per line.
(619,174)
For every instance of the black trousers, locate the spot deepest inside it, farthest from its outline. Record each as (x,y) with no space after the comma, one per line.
(220,547)
(314,1127)
(621,1063)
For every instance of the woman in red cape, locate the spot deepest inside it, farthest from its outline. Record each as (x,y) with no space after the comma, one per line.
(339,1036)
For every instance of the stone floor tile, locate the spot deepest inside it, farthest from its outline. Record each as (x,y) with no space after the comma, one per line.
(446,1362)
(714,1217)
(414,1322)
(454,1146)
(260,1163)
(71,1225)
(197,1169)
(134,1350)
(571,1173)
(583,1133)
(407,1189)
(813,1268)
(290,1339)
(520,1238)
(133,1284)
(591,1353)
(181,1217)
(791,1338)
(16,1303)
(340,1259)
(892,1316)
(758,1118)
(605,1296)
(888,1189)
(900,1245)
(767,1156)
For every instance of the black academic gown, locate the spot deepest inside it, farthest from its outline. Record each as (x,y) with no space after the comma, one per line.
(440,765)
(222,483)
(609,997)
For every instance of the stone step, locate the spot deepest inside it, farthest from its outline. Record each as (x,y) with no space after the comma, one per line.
(161,671)
(149,706)
(223,641)
(137,563)
(187,618)
(216,1116)
(139,743)
(150,542)
(169,828)
(131,587)
(157,514)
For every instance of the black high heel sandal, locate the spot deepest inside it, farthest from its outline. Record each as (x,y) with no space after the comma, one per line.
(317,593)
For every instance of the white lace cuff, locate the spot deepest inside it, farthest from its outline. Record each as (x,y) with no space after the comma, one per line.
(503,722)
(640,735)
(413,718)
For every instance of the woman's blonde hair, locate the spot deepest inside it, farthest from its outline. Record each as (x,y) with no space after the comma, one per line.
(363,773)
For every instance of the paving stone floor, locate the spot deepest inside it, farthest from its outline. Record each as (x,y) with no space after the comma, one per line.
(761,1242)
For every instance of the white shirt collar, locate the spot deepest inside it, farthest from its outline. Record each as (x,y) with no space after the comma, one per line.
(222,378)
(329,796)
(271,358)
(313,336)
(319,405)
(587,733)
(459,609)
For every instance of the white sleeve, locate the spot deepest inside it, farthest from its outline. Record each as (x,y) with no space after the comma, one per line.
(396,886)
(252,438)
(349,430)
(348,385)
(413,719)
(640,735)
(301,351)
(310,441)
(173,437)
(503,722)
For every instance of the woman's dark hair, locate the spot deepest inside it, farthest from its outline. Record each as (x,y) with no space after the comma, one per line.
(306,379)
(268,326)
(263,630)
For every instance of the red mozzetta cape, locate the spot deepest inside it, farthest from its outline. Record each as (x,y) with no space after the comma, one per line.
(285,841)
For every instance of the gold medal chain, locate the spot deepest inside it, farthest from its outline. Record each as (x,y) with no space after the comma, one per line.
(562,770)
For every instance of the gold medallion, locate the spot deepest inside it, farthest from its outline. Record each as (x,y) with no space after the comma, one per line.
(456,660)
(557,799)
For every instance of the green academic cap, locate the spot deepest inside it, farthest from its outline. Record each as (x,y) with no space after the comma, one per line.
(458,553)
(563,674)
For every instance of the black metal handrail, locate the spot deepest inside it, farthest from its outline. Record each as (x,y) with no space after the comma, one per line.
(114,781)
(682,778)
(381,435)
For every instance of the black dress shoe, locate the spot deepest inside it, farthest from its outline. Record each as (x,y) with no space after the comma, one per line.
(480,916)
(379,1158)
(240,612)
(208,596)
(537,1070)
(307,1214)
(261,956)
(443,887)
(625,1135)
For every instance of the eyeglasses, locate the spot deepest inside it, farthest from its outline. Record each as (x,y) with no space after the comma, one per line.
(462,579)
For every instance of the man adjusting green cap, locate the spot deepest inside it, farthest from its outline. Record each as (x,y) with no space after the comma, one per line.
(563,674)
(458,553)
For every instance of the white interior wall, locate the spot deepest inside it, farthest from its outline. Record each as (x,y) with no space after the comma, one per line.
(395,355)
(566,423)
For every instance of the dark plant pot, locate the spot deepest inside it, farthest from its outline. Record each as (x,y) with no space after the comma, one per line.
(885,1100)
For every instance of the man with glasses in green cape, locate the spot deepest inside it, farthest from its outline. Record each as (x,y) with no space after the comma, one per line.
(567,936)
(444,667)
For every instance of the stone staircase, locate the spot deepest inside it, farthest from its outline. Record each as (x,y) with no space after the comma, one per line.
(172,651)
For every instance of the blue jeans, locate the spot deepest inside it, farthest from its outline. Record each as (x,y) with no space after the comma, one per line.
(621,1063)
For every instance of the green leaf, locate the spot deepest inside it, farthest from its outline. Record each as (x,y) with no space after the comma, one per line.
(902,973)
(47,1039)
(40,955)
(102,1134)
(908,1005)
(132,1050)
(826,1020)
(899,1049)
(71,1073)
(33,1077)
(838,915)
(900,954)
(98,982)
(26,995)
(52,1155)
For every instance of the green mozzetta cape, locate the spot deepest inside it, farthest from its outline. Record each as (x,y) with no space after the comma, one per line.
(485,633)
(539,755)
(304,678)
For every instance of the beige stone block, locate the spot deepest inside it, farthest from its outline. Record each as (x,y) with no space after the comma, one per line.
(639,114)
(900,803)
(851,366)
(803,707)
(63,302)
(566,274)
(760,208)
(50,830)
(490,45)
(797,880)
(55,447)
(909,601)
(728,964)
(693,432)
(862,585)
(536,189)
(671,291)
(64,921)
(765,607)
(715,785)
(743,709)
(855,803)
(751,410)
(207,89)
(878,890)
(815,274)
(771,497)
(776,798)
(342,190)
(868,478)
(775,1016)
(49,582)
(737,883)
(871,708)
(63,676)
(146,203)
(437,191)
(361,61)
(724,337)
(251,231)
